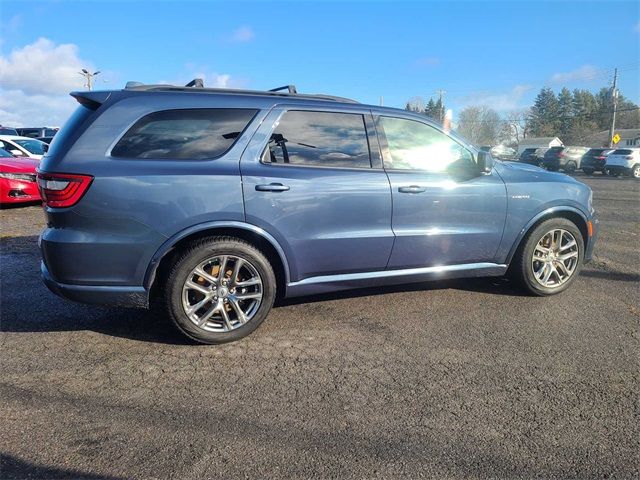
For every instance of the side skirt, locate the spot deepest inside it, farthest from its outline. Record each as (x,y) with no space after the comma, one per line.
(333,283)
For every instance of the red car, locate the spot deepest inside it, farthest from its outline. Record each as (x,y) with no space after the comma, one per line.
(17,179)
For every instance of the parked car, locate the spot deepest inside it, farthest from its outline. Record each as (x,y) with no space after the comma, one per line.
(624,161)
(567,159)
(594,160)
(210,202)
(23,146)
(35,132)
(17,179)
(7,131)
(533,156)
(502,152)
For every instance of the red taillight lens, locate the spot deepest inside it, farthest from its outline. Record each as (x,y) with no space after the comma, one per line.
(560,155)
(601,157)
(60,190)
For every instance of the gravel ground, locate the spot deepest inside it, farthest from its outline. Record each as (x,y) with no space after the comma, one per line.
(464,379)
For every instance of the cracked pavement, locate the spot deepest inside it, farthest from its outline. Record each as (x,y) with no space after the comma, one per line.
(457,379)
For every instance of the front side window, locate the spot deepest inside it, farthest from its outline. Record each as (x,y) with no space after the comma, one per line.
(416,146)
(184,134)
(320,139)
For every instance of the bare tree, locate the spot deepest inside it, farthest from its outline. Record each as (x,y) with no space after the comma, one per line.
(480,124)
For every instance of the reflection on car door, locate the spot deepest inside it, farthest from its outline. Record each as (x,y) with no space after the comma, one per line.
(311,181)
(445,211)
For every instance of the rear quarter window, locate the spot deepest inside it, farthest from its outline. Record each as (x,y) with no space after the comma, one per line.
(622,152)
(189,134)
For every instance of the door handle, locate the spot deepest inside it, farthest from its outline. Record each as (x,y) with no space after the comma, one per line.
(272,187)
(412,189)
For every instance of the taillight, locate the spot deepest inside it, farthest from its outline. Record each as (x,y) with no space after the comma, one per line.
(601,157)
(60,190)
(560,154)
(629,157)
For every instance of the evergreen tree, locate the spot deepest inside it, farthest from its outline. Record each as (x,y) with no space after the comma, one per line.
(430,110)
(565,114)
(544,116)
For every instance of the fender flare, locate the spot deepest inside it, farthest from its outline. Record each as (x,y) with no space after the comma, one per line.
(169,244)
(536,219)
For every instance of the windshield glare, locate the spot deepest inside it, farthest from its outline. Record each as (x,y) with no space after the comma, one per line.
(36,147)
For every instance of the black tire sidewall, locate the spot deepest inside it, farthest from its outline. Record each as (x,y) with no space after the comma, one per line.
(198,253)
(525,268)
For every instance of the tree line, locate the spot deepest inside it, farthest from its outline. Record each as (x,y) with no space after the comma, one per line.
(573,116)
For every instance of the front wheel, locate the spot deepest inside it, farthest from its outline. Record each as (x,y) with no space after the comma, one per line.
(220,289)
(635,171)
(588,171)
(570,168)
(550,258)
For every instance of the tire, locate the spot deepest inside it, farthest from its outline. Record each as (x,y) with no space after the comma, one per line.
(588,171)
(635,171)
(523,262)
(570,168)
(217,290)
(611,173)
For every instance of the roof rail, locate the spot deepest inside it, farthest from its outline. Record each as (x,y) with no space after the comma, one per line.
(197,84)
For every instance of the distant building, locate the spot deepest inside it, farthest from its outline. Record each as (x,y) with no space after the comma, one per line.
(539,142)
(629,137)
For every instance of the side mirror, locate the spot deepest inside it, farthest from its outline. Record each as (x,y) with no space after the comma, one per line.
(485,162)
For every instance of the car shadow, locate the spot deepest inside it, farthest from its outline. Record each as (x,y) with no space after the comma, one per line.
(611,275)
(15,468)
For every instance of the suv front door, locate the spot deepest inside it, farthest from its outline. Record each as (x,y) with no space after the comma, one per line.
(311,180)
(445,211)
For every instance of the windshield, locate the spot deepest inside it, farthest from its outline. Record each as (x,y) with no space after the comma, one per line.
(35,147)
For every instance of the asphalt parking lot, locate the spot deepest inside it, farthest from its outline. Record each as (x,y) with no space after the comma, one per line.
(464,379)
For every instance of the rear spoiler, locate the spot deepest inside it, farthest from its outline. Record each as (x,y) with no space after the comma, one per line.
(91,99)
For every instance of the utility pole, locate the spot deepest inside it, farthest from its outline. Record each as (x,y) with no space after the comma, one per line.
(614,99)
(441,112)
(381,100)
(88,77)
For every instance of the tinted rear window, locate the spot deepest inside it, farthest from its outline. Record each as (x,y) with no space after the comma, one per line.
(320,139)
(596,151)
(622,152)
(71,127)
(193,134)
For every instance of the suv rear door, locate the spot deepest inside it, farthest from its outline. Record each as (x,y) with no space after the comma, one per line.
(313,179)
(445,211)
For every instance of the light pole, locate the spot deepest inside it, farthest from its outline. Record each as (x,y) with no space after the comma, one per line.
(88,77)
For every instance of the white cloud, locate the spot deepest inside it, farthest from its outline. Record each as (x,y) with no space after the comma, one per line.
(43,68)
(584,73)
(242,35)
(510,100)
(35,81)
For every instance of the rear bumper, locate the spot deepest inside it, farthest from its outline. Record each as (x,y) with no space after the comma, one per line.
(619,169)
(593,164)
(125,296)
(18,191)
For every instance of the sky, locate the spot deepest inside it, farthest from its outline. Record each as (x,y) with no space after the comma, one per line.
(497,54)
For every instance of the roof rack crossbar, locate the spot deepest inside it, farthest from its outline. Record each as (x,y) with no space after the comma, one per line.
(290,88)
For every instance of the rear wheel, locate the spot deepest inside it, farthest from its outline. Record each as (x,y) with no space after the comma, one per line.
(635,171)
(550,258)
(570,167)
(588,171)
(220,289)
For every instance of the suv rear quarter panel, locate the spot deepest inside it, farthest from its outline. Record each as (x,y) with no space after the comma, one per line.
(134,205)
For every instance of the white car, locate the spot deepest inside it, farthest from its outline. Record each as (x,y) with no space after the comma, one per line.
(23,146)
(624,161)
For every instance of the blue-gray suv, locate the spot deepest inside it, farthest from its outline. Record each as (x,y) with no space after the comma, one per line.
(211,202)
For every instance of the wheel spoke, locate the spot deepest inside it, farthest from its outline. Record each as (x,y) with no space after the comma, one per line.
(223,267)
(569,244)
(562,269)
(236,271)
(204,318)
(247,296)
(567,256)
(197,287)
(225,317)
(208,277)
(239,313)
(250,282)
(198,306)
(549,272)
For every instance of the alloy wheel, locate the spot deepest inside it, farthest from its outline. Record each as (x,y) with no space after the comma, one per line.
(555,258)
(222,293)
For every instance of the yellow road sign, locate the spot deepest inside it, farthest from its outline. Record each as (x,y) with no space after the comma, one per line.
(616,138)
